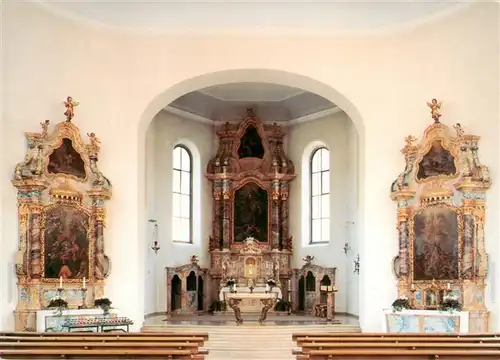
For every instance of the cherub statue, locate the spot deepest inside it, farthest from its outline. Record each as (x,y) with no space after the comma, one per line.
(94,146)
(45,128)
(459,130)
(410,139)
(194,260)
(308,259)
(70,106)
(435,107)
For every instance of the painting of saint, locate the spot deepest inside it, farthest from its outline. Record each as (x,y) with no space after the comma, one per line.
(66,160)
(437,161)
(250,213)
(66,243)
(251,144)
(435,244)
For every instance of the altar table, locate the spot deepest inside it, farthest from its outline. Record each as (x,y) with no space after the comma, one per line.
(50,320)
(263,301)
(426,321)
(250,302)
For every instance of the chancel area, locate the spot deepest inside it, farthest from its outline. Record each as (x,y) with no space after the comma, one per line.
(217,195)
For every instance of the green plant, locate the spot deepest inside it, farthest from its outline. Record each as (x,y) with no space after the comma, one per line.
(401,303)
(450,303)
(104,304)
(59,304)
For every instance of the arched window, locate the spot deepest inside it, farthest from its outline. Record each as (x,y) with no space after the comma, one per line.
(320,195)
(182,200)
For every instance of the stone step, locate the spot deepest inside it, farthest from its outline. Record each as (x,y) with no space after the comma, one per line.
(250,340)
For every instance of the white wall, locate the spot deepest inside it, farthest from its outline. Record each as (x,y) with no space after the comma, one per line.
(170,130)
(301,141)
(123,80)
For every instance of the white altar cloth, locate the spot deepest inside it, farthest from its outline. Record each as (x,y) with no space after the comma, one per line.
(49,320)
(426,321)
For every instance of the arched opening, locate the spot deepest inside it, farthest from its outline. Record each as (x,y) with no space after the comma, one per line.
(202,149)
(176,299)
(325,281)
(191,282)
(302,294)
(201,295)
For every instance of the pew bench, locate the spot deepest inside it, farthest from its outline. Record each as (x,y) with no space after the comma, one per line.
(102,346)
(330,346)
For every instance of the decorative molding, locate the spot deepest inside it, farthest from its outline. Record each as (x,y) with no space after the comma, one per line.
(284,98)
(285,123)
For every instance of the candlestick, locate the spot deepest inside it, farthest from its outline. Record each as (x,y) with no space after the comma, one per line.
(412,287)
(84,298)
(83,287)
(60,282)
(448,286)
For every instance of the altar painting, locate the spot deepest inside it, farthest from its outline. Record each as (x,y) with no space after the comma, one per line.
(66,244)
(437,161)
(66,160)
(435,241)
(251,213)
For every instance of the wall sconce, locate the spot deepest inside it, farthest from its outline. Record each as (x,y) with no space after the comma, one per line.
(155,246)
(356,265)
(346,247)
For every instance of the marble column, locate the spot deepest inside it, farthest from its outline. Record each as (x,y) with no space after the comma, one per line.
(35,241)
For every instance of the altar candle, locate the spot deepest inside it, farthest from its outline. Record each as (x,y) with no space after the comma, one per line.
(60,282)
(267,287)
(448,286)
(413,286)
(84,282)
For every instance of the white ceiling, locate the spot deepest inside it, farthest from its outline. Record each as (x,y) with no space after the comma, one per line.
(271,102)
(206,14)
(251,92)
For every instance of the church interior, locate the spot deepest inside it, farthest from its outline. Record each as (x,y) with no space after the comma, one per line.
(237,186)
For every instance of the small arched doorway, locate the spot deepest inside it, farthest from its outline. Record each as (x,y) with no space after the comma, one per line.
(175,301)
(323,298)
(302,294)
(201,295)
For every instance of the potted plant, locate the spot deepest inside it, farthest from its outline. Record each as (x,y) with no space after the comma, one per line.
(104,304)
(283,307)
(401,303)
(450,303)
(59,304)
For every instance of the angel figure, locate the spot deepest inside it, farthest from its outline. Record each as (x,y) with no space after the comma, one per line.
(94,142)
(459,130)
(45,128)
(70,105)
(308,259)
(194,260)
(410,139)
(435,107)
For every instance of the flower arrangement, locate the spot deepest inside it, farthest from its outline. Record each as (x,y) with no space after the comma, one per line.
(401,303)
(58,303)
(283,306)
(104,304)
(450,303)
(271,282)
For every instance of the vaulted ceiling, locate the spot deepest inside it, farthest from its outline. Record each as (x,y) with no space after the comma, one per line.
(271,102)
(203,14)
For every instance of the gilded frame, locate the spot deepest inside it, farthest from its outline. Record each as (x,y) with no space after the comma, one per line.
(268,189)
(69,131)
(90,238)
(411,245)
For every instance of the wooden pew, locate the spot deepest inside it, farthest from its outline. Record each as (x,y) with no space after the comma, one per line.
(102,345)
(366,346)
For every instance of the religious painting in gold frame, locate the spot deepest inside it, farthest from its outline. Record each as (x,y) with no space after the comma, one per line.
(67,243)
(436,235)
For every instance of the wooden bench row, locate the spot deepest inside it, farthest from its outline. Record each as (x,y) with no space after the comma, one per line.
(102,345)
(322,346)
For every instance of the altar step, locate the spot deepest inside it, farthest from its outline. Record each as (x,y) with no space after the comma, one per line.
(250,340)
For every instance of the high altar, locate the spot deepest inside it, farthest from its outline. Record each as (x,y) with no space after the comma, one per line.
(61,209)
(250,245)
(440,219)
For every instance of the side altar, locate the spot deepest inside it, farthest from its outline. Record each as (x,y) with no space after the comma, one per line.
(61,196)
(250,247)
(441,199)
